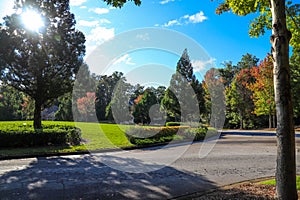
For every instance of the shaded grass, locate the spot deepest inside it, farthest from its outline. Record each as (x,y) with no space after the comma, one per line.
(273,182)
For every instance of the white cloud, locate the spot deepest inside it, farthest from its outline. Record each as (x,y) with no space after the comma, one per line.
(197,18)
(126,59)
(187,19)
(88,23)
(200,65)
(172,23)
(83,7)
(104,21)
(165,1)
(99,11)
(77,2)
(100,34)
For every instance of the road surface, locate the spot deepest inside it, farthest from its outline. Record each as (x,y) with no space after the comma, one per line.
(151,173)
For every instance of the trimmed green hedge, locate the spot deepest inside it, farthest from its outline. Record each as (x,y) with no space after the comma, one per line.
(152,135)
(25,136)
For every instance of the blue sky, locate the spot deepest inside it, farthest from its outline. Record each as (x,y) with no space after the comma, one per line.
(224,37)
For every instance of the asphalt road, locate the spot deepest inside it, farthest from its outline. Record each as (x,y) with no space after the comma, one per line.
(153,173)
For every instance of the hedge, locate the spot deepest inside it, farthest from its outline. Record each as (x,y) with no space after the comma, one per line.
(26,136)
(151,135)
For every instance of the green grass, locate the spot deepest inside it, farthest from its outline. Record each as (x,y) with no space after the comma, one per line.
(273,182)
(96,137)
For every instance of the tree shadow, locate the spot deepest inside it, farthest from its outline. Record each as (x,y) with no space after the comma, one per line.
(85,177)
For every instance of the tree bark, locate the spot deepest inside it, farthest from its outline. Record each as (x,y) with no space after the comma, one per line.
(286,165)
(37,119)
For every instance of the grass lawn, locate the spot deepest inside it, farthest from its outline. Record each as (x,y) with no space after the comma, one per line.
(273,182)
(96,136)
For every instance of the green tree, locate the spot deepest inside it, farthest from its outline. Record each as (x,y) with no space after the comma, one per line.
(104,92)
(65,105)
(11,101)
(141,110)
(118,110)
(41,64)
(184,91)
(120,3)
(275,12)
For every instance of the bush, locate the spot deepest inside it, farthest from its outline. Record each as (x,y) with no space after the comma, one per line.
(173,123)
(197,134)
(151,135)
(25,136)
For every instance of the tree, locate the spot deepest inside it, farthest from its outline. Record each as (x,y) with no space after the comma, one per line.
(184,91)
(120,3)
(11,102)
(86,106)
(238,97)
(104,93)
(263,89)
(275,11)
(141,110)
(65,105)
(41,64)
(118,110)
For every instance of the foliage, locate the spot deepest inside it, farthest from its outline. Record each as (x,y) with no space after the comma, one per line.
(263,89)
(65,105)
(104,92)
(185,93)
(141,111)
(215,98)
(41,64)
(86,106)
(173,124)
(11,102)
(120,3)
(24,135)
(152,135)
(118,109)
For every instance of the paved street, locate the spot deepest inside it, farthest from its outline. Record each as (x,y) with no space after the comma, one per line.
(130,175)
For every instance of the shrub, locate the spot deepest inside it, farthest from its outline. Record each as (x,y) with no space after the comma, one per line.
(173,123)
(25,136)
(196,134)
(151,135)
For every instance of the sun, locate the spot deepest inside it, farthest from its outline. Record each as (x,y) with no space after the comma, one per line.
(32,20)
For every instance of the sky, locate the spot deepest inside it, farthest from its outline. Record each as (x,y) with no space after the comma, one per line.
(180,23)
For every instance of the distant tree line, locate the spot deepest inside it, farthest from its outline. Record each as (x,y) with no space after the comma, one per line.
(248,96)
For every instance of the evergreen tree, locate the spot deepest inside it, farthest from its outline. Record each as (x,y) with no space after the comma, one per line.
(41,64)
(184,93)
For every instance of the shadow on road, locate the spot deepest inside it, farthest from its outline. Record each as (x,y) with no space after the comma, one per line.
(84,177)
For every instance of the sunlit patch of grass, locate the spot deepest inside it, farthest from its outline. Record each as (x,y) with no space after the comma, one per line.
(273,182)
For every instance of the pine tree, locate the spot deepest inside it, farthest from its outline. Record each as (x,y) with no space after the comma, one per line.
(183,98)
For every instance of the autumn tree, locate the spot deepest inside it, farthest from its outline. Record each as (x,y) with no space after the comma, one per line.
(86,106)
(41,63)
(263,90)
(274,13)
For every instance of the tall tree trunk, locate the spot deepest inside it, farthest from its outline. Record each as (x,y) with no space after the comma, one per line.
(37,119)
(286,165)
